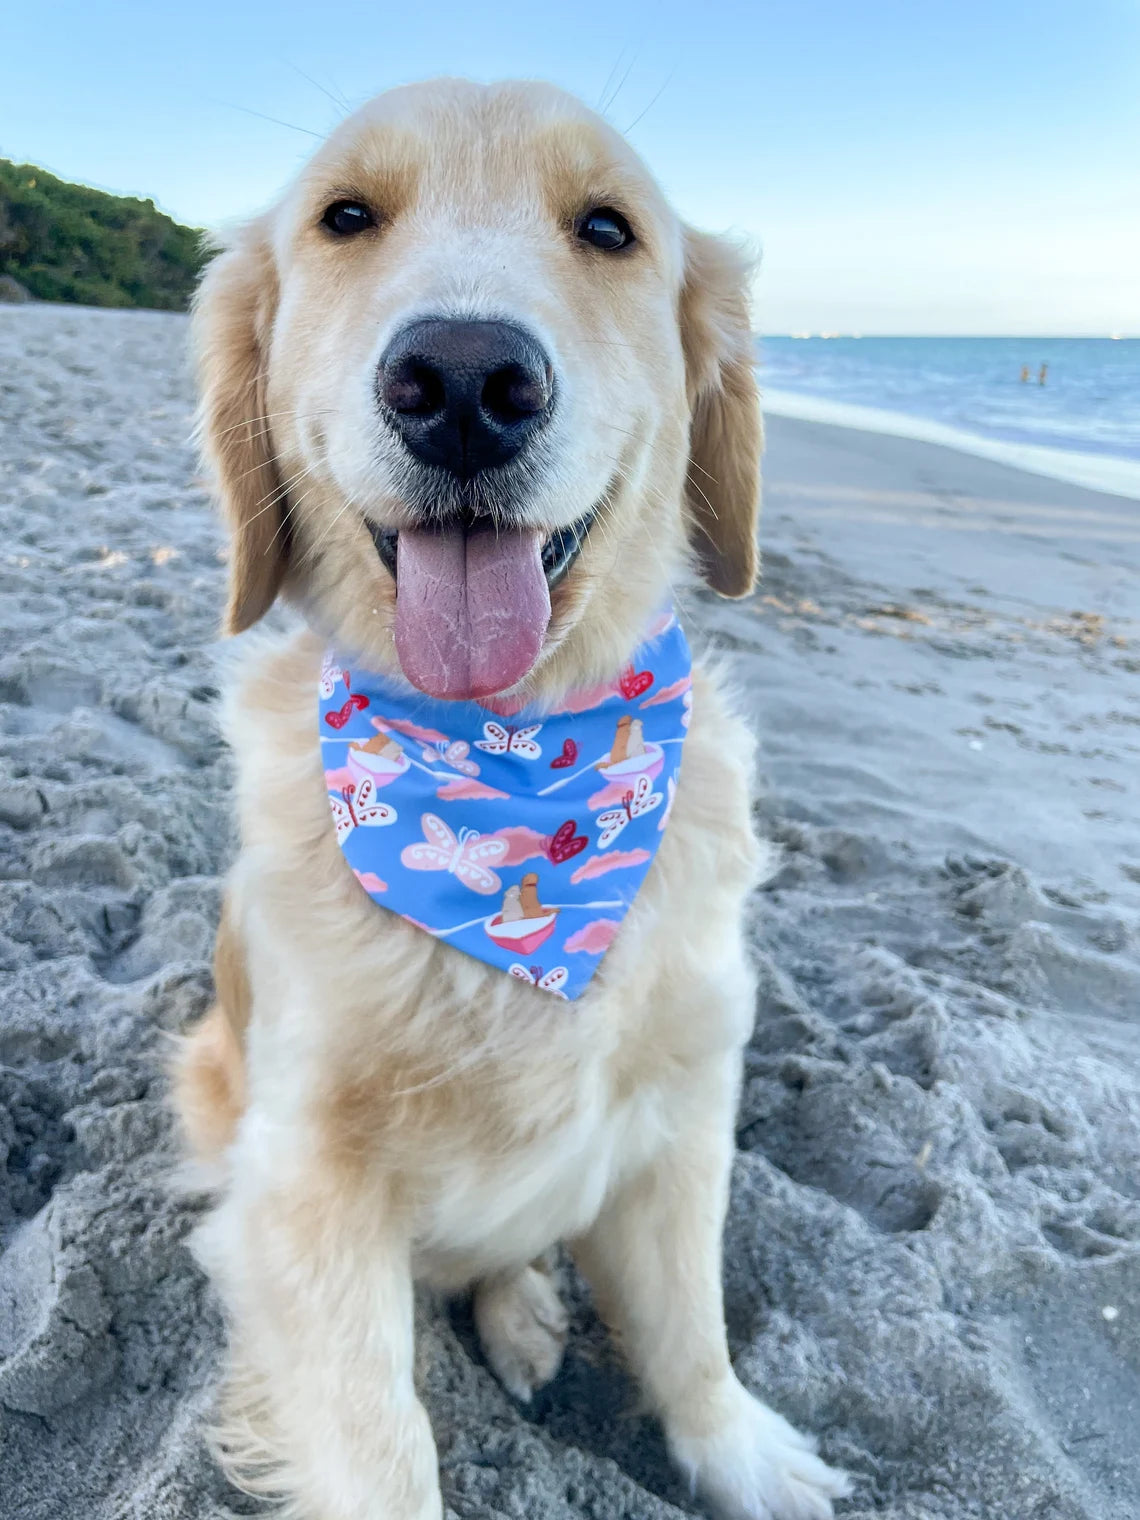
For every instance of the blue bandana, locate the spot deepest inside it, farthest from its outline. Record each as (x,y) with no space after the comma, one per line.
(521,842)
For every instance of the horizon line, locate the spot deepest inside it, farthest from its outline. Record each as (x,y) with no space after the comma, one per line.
(1029,337)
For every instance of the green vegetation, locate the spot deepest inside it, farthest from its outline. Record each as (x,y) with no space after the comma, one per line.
(71,243)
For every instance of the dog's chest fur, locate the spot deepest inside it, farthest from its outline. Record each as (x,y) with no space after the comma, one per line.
(499,1114)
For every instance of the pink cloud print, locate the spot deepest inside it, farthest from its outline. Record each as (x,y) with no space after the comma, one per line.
(594,938)
(598,865)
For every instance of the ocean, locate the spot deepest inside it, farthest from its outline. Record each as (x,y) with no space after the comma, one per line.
(1082,425)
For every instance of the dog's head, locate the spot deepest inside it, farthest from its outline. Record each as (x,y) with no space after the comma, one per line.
(473,395)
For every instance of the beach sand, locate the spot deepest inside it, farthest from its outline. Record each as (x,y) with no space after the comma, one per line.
(933,1252)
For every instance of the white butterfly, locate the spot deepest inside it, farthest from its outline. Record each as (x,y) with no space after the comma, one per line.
(498,740)
(634,804)
(356,807)
(453,754)
(331,673)
(553,981)
(467,855)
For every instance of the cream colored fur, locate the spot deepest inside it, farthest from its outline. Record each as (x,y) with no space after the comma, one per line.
(379,1107)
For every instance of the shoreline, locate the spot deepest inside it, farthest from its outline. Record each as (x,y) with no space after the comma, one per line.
(1107,473)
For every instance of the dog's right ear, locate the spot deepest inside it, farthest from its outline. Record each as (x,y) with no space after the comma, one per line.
(726,434)
(232,318)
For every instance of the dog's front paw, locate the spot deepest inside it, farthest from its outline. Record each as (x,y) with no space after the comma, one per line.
(522,1327)
(753,1465)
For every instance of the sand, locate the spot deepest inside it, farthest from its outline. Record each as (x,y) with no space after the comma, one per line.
(933,1254)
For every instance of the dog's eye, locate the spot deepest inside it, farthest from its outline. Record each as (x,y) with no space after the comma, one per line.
(347,217)
(604,228)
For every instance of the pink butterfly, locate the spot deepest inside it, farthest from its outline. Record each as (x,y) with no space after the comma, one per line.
(553,981)
(633,805)
(453,754)
(498,740)
(467,855)
(330,675)
(356,807)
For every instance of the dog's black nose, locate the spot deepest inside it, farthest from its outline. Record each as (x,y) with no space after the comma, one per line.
(465,396)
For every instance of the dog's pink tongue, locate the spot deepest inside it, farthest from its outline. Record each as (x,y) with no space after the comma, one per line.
(471,609)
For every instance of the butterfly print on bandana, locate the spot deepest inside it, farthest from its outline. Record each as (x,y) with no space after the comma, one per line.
(357,808)
(552,981)
(635,804)
(505,740)
(467,855)
(331,673)
(453,753)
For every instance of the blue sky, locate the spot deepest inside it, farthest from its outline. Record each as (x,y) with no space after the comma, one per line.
(905,165)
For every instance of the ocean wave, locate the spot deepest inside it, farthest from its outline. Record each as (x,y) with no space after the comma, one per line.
(1096,472)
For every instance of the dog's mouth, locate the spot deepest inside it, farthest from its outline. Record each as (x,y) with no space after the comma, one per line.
(559,551)
(473,601)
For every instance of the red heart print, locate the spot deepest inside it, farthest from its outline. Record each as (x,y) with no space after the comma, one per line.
(357,700)
(346,677)
(634,682)
(565,844)
(567,757)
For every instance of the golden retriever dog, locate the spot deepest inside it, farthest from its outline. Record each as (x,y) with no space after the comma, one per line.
(375,1107)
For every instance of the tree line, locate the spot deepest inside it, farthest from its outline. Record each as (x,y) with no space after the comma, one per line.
(66,242)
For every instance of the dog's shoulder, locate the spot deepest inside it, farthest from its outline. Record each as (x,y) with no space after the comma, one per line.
(269,720)
(680,966)
(710,822)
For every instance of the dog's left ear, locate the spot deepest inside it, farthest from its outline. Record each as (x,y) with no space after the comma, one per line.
(726,435)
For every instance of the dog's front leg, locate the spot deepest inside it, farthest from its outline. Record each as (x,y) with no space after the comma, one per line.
(321,1406)
(653,1257)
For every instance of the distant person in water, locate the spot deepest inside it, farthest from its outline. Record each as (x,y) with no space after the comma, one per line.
(1041,373)
(1025,374)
